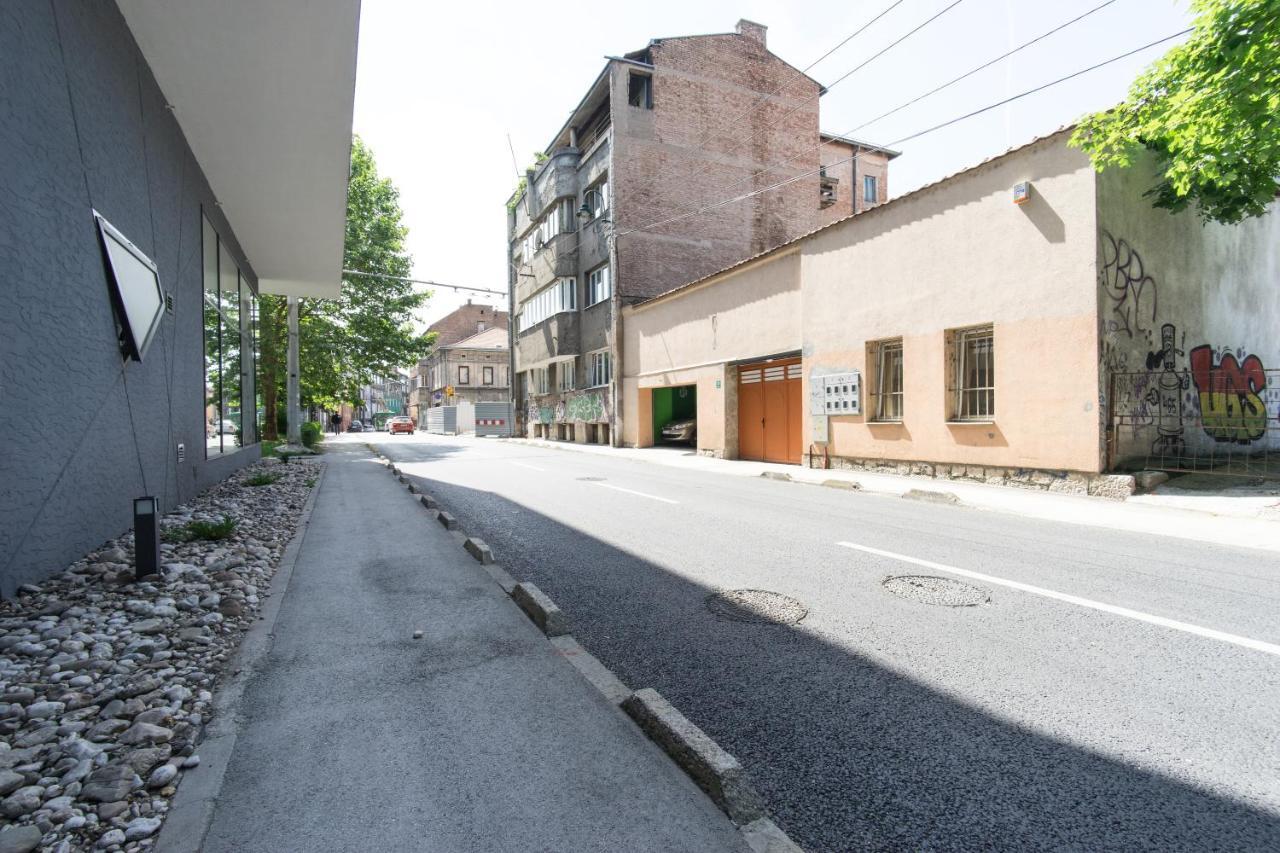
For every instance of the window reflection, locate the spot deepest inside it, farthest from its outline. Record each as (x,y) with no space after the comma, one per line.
(230,308)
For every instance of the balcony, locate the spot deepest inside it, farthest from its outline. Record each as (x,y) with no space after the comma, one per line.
(558,258)
(556,336)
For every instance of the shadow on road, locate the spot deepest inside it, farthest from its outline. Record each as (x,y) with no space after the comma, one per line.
(849,754)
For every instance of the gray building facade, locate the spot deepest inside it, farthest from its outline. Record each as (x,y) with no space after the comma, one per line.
(86,126)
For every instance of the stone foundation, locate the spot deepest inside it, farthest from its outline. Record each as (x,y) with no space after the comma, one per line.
(1112,486)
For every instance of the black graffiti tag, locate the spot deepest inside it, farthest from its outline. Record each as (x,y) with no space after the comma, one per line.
(1131,291)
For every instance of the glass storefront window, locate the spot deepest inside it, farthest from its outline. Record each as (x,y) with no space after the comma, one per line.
(230,351)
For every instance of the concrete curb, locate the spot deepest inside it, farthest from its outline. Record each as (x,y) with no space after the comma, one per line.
(413,490)
(765,836)
(846,485)
(539,607)
(478,549)
(776,475)
(429,502)
(446,520)
(711,767)
(931,497)
(599,675)
(191,810)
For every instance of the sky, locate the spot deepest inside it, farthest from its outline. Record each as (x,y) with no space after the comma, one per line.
(441,87)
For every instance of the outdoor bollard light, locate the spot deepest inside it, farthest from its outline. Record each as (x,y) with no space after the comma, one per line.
(146,537)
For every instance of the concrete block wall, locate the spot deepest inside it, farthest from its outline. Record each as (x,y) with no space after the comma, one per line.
(86,127)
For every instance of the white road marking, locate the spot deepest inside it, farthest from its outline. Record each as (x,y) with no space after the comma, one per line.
(638,494)
(1210,633)
(527,465)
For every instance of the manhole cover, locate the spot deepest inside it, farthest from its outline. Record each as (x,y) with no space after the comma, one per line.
(756,605)
(929,589)
(591,479)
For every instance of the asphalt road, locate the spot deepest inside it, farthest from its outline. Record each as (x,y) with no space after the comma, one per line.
(1114,692)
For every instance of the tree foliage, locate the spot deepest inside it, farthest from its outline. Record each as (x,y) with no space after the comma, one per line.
(1210,110)
(368,330)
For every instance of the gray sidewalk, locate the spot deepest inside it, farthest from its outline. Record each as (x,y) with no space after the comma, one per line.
(353,736)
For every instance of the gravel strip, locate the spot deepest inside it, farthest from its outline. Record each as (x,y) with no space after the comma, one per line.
(106,683)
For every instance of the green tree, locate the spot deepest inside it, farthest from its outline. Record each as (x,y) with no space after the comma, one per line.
(1210,111)
(368,330)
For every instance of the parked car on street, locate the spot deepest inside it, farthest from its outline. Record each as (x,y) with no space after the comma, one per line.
(401,424)
(355,426)
(227,427)
(682,430)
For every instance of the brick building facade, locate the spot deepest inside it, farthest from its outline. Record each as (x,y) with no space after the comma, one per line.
(663,132)
(465,337)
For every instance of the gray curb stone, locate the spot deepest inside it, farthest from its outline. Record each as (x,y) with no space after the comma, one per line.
(429,502)
(478,549)
(402,478)
(413,490)
(711,767)
(775,475)
(764,836)
(847,485)
(600,676)
(932,497)
(541,609)
(447,520)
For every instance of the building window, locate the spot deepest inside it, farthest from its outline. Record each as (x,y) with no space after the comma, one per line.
(596,199)
(870,193)
(598,285)
(887,361)
(973,351)
(561,296)
(230,348)
(539,381)
(566,374)
(640,90)
(598,369)
(464,374)
(486,375)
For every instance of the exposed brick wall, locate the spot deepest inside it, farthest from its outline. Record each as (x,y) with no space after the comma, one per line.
(464,322)
(696,147)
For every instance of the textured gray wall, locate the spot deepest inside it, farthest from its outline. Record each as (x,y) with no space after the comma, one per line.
(83,125)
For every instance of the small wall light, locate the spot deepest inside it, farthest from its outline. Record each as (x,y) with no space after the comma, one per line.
(146,537)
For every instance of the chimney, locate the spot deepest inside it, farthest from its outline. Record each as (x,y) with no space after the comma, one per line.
(753,31)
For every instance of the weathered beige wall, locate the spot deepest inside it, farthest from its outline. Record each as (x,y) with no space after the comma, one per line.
(689,338)
(962,254)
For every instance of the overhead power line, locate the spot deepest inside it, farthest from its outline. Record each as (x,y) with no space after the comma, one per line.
(924,95)
(907,138)
(764,97)
(454,287)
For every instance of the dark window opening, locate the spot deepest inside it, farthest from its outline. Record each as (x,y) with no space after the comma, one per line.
(640,90)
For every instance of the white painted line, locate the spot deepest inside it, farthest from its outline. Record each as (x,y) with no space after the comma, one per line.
(527,465)
(637,494)
(1210,633)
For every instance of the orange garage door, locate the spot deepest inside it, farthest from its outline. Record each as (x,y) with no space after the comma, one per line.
(769,411)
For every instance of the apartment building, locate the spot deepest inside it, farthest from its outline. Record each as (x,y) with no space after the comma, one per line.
(472,370)
(466,321)
(673,127)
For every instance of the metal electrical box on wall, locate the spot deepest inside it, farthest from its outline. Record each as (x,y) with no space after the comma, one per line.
(842,393)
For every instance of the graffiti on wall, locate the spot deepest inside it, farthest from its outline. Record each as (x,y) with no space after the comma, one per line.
(1165,393)
(1130,292)
(587,407)
(1230,386)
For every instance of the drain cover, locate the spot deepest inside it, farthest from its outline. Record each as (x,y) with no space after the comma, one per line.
(756,605)
(929,589)
(591,479)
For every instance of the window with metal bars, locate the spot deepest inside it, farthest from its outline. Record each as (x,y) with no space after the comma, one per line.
(975,378)
(888,387)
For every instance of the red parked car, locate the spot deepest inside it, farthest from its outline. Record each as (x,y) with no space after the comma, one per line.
(400,424)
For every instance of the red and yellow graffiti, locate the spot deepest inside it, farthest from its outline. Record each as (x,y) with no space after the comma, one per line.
(1231,406)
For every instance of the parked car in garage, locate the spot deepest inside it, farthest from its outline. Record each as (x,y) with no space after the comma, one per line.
(401,424)
(683,430)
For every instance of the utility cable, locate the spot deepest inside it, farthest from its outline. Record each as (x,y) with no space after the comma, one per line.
(454,287)
(911,136)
